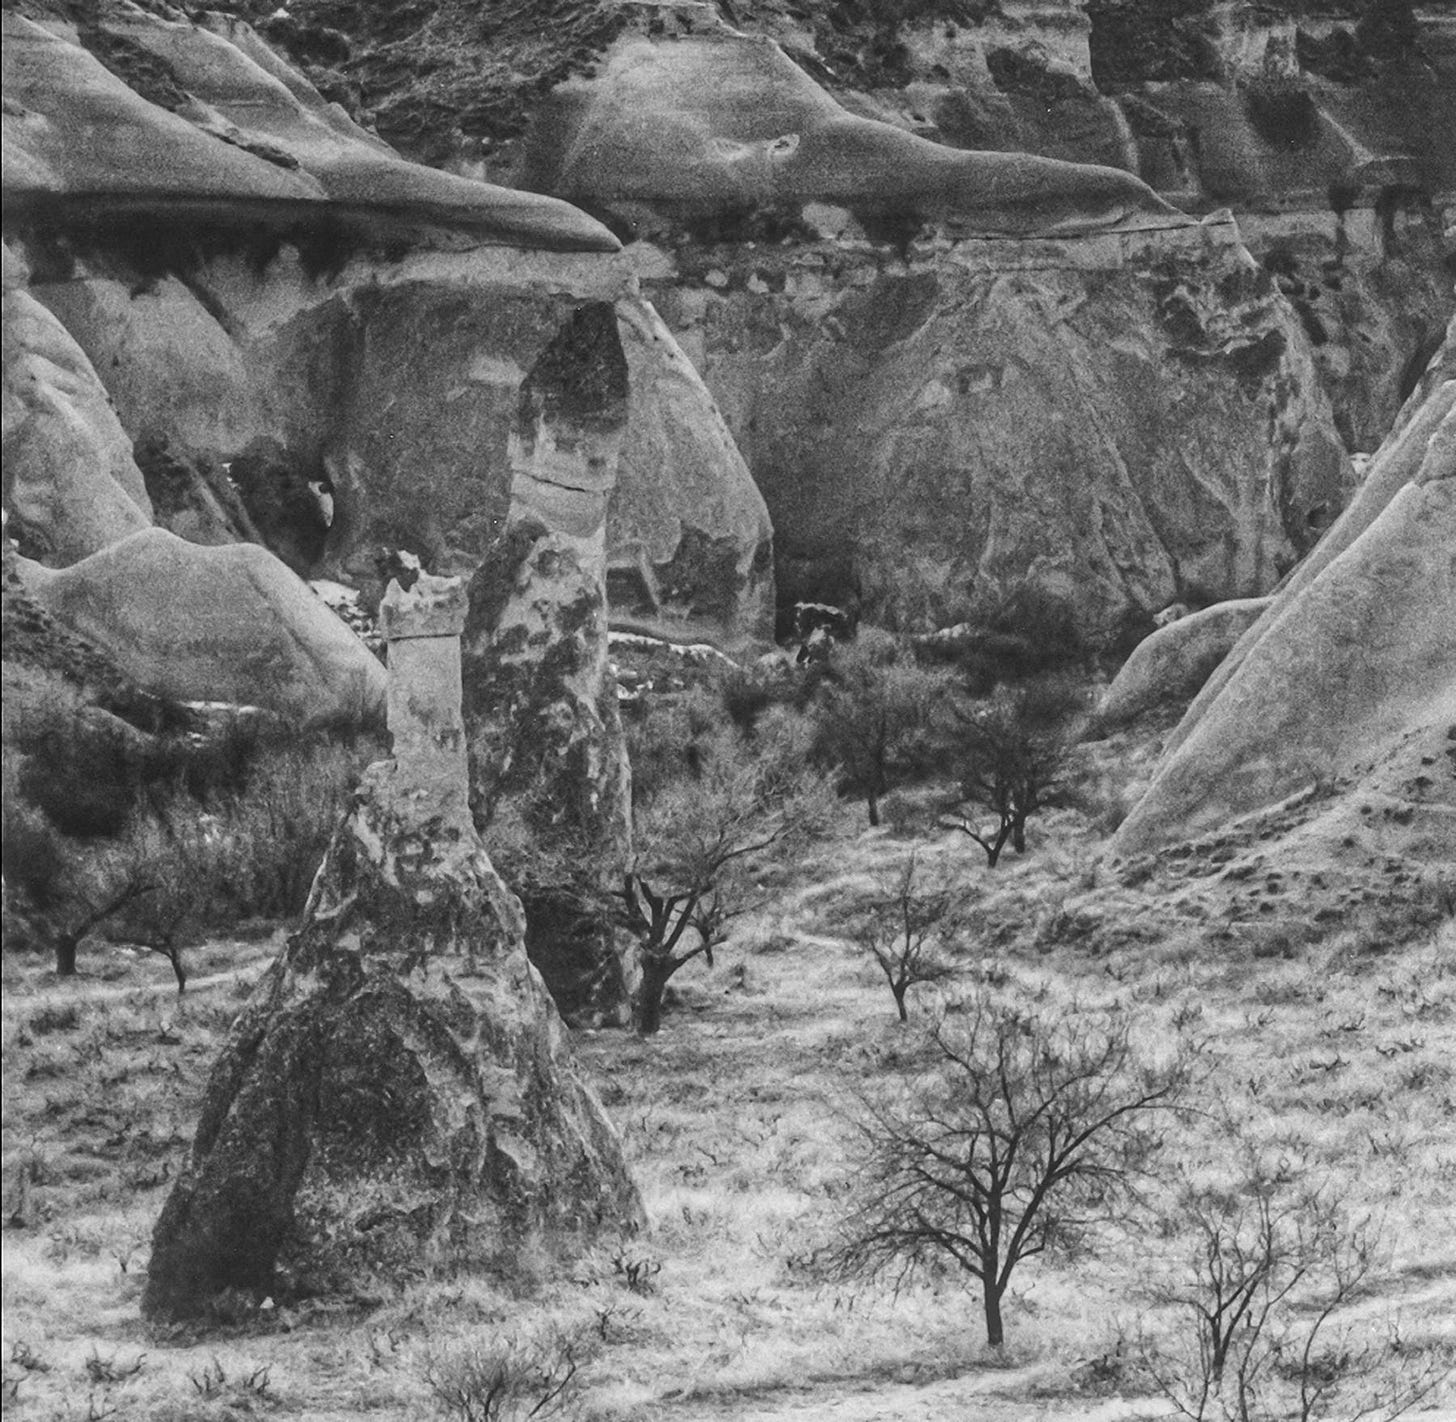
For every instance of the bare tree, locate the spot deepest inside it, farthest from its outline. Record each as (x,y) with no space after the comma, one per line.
(1026,1132)
(872,709)
(1272,1266)
(698,839)
(87,914)
(1015,750)
(905,932)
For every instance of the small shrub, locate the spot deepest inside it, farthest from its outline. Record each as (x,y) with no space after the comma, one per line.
(505,1379)
(1262,1295)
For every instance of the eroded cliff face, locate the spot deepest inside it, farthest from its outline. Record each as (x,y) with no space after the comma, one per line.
(1329,128)
(1122,421)
(311,343)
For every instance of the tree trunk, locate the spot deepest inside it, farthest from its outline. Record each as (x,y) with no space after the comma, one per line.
(900,1002)
(873,801)
(66,956)
(647,1010)
(993,851)
(991,1296)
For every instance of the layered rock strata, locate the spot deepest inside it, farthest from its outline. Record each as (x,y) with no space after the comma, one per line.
(398,1098)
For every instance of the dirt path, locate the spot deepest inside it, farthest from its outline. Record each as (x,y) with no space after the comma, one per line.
(991,1396)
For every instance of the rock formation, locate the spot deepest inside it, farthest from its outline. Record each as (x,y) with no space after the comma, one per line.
(1118,420)
(71,485)
(194,623)
(1167,669)
(541,717)
(249,272)
(1349,677)
(398,1097)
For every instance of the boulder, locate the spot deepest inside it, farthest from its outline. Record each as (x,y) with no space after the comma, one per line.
(1352,666)
(193,623)
(71,484)
(398,1098)
(1166,669)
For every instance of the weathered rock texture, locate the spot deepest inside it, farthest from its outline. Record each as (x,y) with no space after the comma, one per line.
(71,485)
(398,1098)
(717,127)
(1330,127)
(1351,671)
(1168,667)
(541,716)
(311,342)
(1120,420)
(193,623)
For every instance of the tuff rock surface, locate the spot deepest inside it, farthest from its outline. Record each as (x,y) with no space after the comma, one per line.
(540,707)
(1121,420)
(222,624)
(249,272)
(1349,676)
(1167,668)
(398,1098)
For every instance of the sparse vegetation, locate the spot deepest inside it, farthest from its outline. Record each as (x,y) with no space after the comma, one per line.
(905,931)
(1015,750)
(699,837)
(1026,1128)
(874,711)
(1272,1268)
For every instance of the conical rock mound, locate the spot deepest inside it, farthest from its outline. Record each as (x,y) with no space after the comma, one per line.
(399,1097)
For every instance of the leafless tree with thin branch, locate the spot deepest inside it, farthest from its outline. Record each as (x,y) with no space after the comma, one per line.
(1025,1132)
(1264,1293)
(906,932)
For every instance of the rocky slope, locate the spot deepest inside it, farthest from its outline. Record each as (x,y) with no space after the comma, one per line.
(1343,694)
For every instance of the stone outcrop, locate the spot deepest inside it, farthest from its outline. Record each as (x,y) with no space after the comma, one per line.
(1118,420)
(71,485)
(398,1097)
(193,623)
(1167,668)
(250,272)
(542,727)
(1349,675)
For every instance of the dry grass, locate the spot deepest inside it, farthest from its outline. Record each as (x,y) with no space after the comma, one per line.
(1332,1053)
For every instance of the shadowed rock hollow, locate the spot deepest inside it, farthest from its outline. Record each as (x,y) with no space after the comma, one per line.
(399,1097)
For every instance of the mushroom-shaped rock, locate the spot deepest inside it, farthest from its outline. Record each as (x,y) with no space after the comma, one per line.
(716,124)
(399,1098)
(194,623)
(136,113)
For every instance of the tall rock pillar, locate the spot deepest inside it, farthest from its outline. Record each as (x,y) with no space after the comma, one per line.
(399,1097)
(549,772)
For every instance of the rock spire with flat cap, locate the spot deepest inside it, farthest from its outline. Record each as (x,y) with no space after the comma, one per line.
(398,1098)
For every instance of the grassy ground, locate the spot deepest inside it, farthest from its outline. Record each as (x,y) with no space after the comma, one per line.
(1335,1050)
